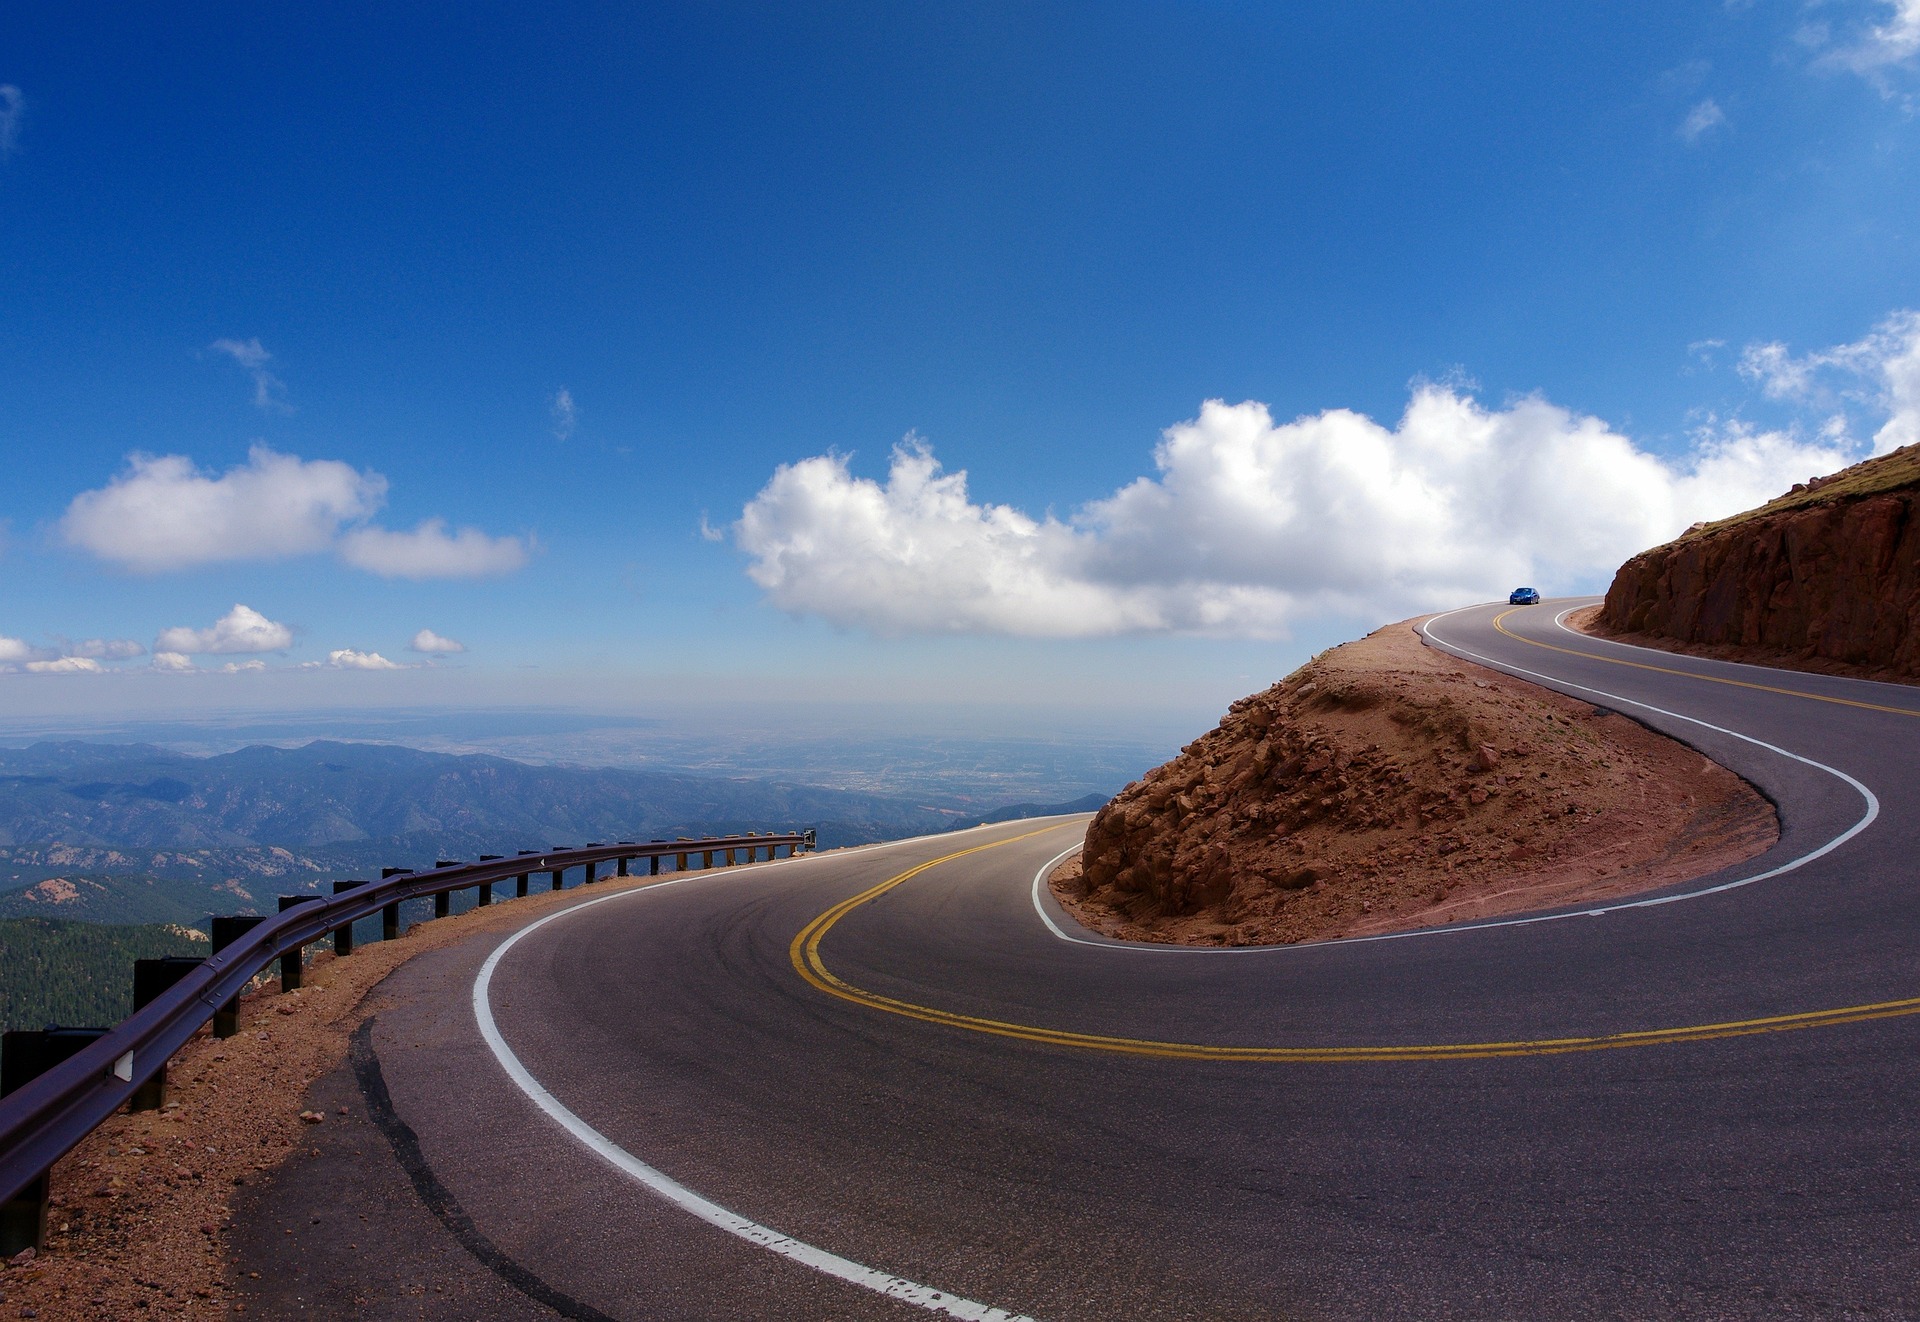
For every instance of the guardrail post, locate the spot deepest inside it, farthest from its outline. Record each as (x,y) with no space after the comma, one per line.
(558,873)
(653,860)
(521,889)
(343,934)
(620,867)
(484,890)
(443,902)
(293,961)
(150,978)
(679,860)
(730,860)
(592,868)
(390,915)
(225,931)
(706,859)
(26,1055)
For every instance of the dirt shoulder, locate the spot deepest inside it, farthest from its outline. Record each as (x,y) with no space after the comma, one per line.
(1588,621)
(141,1210)
(1385,786)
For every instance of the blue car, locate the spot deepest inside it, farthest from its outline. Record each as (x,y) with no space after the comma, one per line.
(1524,597)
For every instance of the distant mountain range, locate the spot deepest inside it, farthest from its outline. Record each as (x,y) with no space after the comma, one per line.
(1013,812)
(326,796)
(132,833)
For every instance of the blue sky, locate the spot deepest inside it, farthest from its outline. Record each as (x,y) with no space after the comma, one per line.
(647,297)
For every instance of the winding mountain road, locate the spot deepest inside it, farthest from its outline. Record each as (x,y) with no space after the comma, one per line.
(896,1082)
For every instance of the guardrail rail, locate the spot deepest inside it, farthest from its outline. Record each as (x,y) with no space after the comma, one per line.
(45,1116)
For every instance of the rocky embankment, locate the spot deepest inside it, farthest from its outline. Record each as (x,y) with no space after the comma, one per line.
(1386,785)
(1827,577)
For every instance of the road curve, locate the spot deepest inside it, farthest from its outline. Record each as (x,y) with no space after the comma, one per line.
(894,1083)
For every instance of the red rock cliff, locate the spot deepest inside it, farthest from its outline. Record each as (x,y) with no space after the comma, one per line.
(1829,572)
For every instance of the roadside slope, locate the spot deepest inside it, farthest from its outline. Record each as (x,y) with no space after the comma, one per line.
(1384,786)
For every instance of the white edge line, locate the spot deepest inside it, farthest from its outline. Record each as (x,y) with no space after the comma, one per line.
(1866,820)
(1040,879)
(832,1264)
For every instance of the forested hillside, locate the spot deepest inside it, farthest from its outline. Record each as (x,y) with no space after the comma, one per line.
(78,974)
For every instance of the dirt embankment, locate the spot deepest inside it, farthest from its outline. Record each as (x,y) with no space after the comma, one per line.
(1385,786)
(1825,578)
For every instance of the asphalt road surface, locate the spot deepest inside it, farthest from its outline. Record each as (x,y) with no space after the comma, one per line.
(797,1090)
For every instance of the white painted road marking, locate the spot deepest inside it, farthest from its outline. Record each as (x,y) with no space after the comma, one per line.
(832,1264)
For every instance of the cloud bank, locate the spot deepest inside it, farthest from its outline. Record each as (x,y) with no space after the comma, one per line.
(65,665)
(1251,525)
(164,513)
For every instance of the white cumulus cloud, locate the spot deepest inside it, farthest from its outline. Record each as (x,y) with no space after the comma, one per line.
(242,667)
(172,662)
(1880,371)
(432,643)
(430,551)
(1250,525)
(165,513)
(346,658)
(13,651)
(242,629)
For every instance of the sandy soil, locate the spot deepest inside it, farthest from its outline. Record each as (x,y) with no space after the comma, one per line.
(140,1209)
(1387,786)
(1587,621)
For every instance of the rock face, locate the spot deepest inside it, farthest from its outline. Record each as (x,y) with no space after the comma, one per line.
(1830,572)
(1385,785)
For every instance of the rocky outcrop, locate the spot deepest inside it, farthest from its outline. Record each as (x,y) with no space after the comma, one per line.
(1828,573)
(1385,785)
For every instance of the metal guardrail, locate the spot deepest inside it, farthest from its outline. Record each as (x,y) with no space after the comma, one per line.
(46,1117)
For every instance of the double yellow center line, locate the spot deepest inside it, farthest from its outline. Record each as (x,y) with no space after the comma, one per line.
(805,953)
